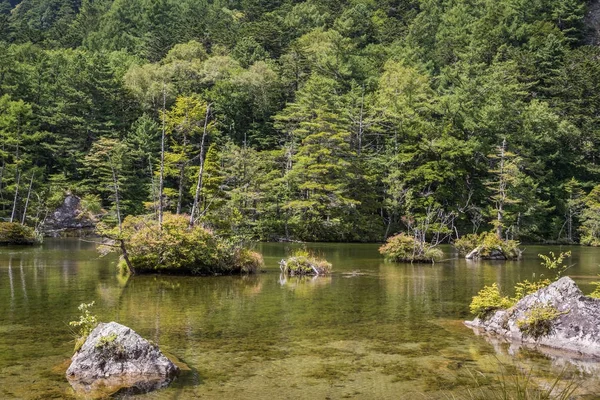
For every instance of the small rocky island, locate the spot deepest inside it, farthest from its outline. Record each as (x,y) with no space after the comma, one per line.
(558,316)
(114,357)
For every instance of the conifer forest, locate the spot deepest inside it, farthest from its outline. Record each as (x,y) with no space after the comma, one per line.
(316,120)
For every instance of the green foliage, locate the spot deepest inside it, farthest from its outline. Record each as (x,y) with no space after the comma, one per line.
(596,293)
(84,325)
(106,340)
(14,233)
(590,227)
(515,382)
(91,205)
(403,248)
(554,263)
(538,319)
(525,288)
(330,120)
(109,347)
(177,248)
(486,243)
(303,262)
(489,300)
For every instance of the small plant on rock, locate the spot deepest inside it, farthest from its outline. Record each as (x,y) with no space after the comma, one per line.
(488,300)
(109,346)
(85,325)
(596,293)
(537,321)
(525,288)
(554,263)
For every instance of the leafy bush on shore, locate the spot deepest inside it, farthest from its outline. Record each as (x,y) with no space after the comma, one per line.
(403,248)
(179,248)
(15,233)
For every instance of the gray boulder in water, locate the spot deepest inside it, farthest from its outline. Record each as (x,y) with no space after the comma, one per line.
(69,217)
(576,328)
(115,357)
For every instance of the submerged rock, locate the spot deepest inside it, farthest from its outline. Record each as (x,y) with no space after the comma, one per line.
(576,327)
(115,357)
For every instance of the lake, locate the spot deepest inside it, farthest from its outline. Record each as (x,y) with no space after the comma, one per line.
(372,330)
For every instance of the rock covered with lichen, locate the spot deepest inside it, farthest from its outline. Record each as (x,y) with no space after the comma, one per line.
(68,217)
(571,320)
(114,355)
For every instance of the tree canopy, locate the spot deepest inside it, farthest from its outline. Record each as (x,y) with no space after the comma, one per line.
(306,120)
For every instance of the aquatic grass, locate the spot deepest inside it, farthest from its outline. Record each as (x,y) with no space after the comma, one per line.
(518,385)
(303,262)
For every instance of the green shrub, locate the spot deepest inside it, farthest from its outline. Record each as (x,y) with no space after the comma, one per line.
(489,300)
(554,263)
(403,248)
(537,321)
(596,293)
(303,262)
(85,325)
(467,243)
(91,206)
(15,233)
(177,248)
(106,340)
(487,243)
(525,288)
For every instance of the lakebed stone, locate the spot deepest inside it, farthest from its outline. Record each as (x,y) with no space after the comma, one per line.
(576,329)
(114,357)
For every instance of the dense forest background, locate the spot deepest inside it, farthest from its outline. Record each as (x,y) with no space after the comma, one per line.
(322,119)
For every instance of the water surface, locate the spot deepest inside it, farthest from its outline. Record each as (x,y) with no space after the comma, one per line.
(371,330)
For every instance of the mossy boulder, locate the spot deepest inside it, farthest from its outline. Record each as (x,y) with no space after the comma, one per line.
(69,219)
(557,316)
(115,357)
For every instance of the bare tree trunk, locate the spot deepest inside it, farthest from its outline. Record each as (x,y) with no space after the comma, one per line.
(116,189)
(180,195)
(502,192)
(162,160)
(126,257)
(152,182)
(27,201)
(201,171)
(361,122)
(14,209)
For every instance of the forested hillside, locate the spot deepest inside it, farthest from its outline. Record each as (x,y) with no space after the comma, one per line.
(309,120)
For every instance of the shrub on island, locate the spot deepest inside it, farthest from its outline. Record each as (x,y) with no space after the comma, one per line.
(403,248)
(487,246)
(15,233)
(181,249)
(302,262)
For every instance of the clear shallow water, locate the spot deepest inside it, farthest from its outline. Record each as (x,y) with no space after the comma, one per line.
(372,330)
